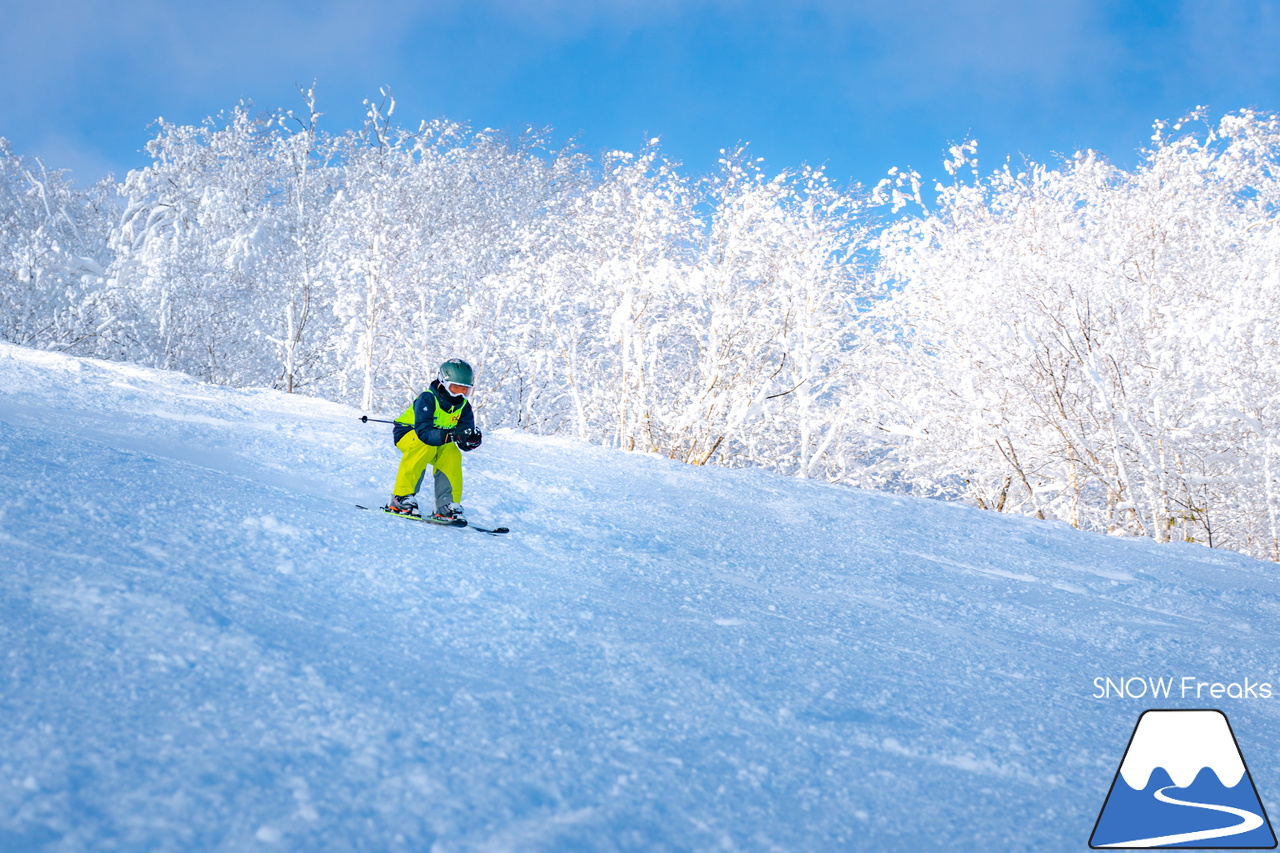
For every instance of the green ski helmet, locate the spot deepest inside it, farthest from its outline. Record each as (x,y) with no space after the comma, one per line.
(456,373)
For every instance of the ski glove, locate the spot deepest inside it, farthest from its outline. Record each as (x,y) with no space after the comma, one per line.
(468,439)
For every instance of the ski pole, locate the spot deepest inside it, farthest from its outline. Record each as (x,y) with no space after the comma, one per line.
(365,419)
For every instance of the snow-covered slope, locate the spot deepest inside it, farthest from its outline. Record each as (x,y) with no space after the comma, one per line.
(204,645)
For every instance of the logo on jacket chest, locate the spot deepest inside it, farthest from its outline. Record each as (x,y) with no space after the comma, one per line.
(446,419)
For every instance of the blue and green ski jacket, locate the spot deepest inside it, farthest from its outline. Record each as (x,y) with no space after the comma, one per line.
(434,415)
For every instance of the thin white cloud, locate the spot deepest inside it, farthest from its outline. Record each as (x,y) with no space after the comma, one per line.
(68,63)
(564,20)
(74,69)
(44,47)
(1225,42)
(931,47)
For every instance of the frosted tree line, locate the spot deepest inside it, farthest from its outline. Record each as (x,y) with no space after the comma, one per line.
(1074,341)
(1091,344)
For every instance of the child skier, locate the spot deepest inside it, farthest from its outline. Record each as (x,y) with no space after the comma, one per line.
(431,432)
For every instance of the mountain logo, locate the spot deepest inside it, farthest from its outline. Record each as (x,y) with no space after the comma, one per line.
(1183,783)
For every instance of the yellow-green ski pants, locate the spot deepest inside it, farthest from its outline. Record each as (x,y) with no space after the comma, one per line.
(446,459)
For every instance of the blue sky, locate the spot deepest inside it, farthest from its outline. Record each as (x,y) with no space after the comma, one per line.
(860,86)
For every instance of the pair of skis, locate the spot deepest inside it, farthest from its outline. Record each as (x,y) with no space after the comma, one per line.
(492,531)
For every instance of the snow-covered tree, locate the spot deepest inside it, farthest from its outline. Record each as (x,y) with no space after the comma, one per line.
(189,261)
(594,287)
(694,319)
(53,253)
(296,260)
(776,295)
(1093,344)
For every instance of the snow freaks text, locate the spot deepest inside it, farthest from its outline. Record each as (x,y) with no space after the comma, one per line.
(1184,687)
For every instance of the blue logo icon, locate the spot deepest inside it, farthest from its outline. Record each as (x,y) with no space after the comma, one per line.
(1183,783)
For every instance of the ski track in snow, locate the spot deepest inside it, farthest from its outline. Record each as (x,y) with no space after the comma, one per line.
(206,646)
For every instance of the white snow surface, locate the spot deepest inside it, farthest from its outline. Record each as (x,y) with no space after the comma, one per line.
(1183,743)
(206,646)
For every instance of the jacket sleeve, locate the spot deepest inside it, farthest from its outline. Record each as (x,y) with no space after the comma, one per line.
(424,419)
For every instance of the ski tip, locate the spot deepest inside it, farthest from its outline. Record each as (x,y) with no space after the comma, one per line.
(493,531)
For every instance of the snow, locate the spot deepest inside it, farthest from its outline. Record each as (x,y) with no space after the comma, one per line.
(206,646)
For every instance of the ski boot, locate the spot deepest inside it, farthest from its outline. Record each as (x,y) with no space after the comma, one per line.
(450,514)
(404,505)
